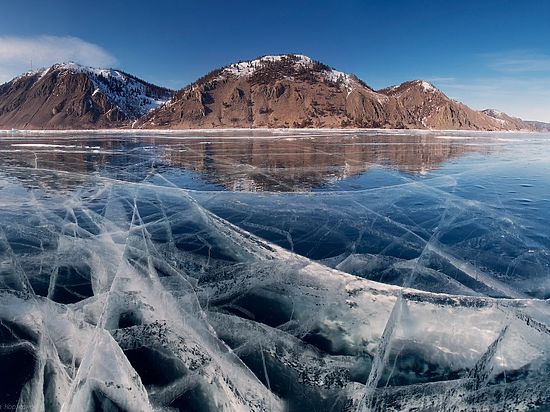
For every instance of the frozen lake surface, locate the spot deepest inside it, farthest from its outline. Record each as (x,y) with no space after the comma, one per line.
(265,271)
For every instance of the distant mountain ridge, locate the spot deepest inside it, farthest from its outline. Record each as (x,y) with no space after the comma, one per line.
(536,126)
(425,106)
(297,91)
(519,123)
(277,91)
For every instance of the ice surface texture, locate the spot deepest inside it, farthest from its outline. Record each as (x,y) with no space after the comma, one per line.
(123,288)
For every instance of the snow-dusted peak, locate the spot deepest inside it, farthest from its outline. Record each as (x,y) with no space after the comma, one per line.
(420,85)
(249,67)
(426,86)
(31,73)
(133,96)
(73,67)
(289,66)
(497,115)
(493,113)
(337,76)
(78,68)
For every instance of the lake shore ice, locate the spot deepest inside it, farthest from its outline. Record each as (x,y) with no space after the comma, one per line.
(238,312)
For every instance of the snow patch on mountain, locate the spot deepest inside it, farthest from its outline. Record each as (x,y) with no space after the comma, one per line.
(300,61)
(131,95)
(249,67)
(493,113)
(337,76)
(428,87)
(41,72)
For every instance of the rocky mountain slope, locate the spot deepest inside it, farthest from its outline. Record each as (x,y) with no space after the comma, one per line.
(428,107)
(70,96)
(296,91)
(271,91)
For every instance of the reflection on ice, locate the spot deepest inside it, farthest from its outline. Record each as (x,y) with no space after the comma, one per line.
(267,164)
(122,286)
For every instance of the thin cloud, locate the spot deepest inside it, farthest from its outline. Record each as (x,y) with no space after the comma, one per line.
(516,82)
(440,79)
(16,53)
(528,98)
(521,61)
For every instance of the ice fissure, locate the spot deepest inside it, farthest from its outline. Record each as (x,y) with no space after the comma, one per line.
(123,289)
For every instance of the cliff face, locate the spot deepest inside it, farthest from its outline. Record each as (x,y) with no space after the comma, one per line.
(69,96)
(296,91)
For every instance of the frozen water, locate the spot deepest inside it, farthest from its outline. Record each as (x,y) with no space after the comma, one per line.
(265,271)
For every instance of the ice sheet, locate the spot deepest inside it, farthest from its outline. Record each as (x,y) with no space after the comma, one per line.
(353,271)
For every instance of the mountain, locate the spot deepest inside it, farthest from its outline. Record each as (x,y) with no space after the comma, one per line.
(428,107)
(279,91)
(297,91)
(71,96)
(273,91)
(538,126)
(527,125)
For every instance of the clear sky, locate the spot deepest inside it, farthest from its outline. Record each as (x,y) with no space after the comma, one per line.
(486,53)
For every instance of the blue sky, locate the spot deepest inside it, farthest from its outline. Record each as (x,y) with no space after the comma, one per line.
(486,53)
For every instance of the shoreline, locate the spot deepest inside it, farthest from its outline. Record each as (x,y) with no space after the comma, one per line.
(269,132)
